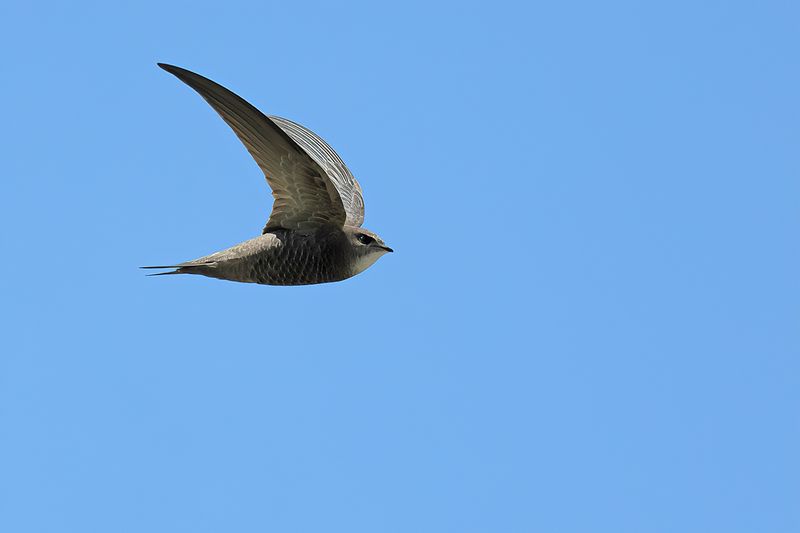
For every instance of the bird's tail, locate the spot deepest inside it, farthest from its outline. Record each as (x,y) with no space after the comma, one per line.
(185,268)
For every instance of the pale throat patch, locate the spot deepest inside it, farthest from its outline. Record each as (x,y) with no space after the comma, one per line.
(363,262)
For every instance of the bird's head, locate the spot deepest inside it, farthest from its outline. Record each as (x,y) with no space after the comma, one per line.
(366,247)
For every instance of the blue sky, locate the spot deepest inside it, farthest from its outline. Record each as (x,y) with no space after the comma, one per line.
(590,322)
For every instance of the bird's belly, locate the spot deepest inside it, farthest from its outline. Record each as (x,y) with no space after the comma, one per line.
(287,265)
(282,258)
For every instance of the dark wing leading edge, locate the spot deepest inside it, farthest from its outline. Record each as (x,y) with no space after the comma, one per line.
(329,160)
(305,197)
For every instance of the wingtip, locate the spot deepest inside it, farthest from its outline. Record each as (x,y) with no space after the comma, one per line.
(168,67)
(192,79)
(176,71)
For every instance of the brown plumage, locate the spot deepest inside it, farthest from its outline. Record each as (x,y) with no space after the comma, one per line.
(313,234)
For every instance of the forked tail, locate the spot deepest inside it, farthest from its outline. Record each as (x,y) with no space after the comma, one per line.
(179,269)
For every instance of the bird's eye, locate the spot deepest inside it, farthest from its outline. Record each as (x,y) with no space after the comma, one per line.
(365,239)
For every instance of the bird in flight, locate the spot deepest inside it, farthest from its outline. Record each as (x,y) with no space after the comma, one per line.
(314,232)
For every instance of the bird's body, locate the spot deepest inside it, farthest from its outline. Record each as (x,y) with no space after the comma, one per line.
(281,257)
(313,234)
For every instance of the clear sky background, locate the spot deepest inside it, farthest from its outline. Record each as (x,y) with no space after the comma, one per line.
(590,323)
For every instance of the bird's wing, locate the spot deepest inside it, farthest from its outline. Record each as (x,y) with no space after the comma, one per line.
(305,197)
(329,160)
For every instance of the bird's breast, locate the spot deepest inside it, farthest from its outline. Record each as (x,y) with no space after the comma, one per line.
(298,259)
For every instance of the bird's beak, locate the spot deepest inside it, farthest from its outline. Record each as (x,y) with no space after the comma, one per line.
(387,248)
